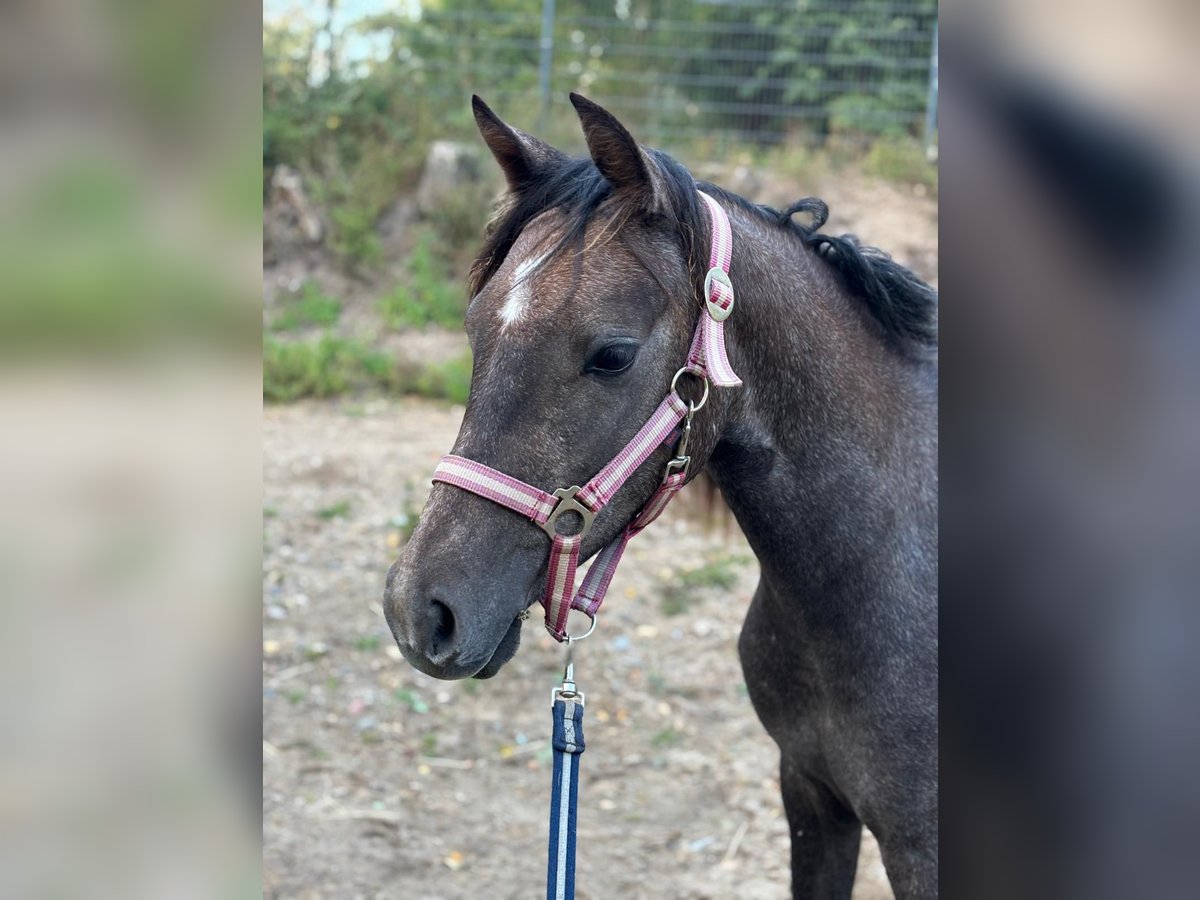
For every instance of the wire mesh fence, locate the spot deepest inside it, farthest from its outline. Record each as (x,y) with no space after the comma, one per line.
(757,71)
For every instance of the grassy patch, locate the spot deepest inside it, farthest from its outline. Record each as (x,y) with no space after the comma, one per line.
(680,592)
(411,700)
(458,221)
(357,191)
(668,737)
(368,643)
(449,380)
(428,295)
(902,160)
(321,368)
(339,510)
(308,308)
(331,366)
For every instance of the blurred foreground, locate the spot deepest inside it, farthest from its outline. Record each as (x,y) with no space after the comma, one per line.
(1071,431)
(129,466)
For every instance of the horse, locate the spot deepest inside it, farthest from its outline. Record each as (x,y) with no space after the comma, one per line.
(583,300)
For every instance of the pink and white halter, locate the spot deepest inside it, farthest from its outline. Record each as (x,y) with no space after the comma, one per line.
(706,360)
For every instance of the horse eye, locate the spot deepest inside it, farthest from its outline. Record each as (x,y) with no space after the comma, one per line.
(612,359)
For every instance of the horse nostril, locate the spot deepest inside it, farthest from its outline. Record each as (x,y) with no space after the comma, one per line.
(443,625)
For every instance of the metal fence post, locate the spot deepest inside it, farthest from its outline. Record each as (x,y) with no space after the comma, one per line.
(931,104)
(546,61)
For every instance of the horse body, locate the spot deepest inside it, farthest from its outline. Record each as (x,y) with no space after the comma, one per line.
(826,455)
(828,461)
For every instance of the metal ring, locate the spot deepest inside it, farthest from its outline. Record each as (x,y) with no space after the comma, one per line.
(579,637)
(674,381)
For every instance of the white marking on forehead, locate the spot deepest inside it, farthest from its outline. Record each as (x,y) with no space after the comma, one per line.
(520,295)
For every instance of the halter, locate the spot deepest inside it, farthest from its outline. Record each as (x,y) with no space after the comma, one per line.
(706,360)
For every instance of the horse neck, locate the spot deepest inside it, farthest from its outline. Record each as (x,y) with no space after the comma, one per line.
(828,458)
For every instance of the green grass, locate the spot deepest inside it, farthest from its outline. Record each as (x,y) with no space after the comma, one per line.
(339,510)
(679,594)
(668,737)
(354,238)
(449,380)
(309,308)
(331,366)
(411,700)
(428,295)
(901,160)
(322,368)
(368,643)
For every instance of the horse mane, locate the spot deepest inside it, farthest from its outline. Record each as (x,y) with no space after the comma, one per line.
(903,305)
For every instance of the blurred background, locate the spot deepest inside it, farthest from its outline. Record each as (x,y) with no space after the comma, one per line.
(376,187)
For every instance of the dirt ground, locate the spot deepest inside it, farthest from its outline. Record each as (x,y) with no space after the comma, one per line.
(383,782)
(380,782)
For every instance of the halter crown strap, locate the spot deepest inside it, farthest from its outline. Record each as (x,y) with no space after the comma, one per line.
(708,354)
(706,358)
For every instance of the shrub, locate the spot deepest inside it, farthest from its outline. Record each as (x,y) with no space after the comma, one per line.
(331,366)
(322,368)
(901,159)
(679,594)
(428,296)
(450,380)
(310,307)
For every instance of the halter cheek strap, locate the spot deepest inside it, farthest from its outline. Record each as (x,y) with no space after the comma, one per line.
(707,360)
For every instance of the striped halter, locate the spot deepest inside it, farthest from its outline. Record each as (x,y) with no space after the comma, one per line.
(707,361)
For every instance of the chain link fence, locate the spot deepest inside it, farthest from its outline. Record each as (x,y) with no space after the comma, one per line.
(747,71)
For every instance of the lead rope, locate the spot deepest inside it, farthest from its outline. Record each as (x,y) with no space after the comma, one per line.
(566,703)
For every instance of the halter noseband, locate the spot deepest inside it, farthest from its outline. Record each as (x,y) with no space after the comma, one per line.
(706,360)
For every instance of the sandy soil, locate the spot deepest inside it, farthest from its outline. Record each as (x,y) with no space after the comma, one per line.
(382,782)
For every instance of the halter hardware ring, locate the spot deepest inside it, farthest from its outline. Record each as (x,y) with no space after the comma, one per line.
(579,637)
(716,310)
(567,503)
(694,407)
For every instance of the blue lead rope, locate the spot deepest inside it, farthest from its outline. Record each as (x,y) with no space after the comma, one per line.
(564,796)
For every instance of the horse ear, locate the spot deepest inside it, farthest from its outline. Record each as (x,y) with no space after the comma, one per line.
(628,168)
(521,156)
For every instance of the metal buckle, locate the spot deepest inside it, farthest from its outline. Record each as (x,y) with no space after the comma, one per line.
(568,503)
(718,312)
